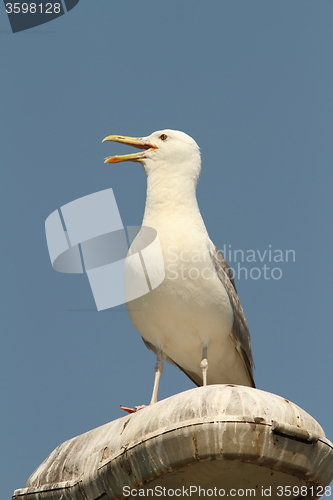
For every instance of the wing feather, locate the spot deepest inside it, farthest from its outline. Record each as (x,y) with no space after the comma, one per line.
(240,330)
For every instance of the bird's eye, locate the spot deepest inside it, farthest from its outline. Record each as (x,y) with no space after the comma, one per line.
(163,137)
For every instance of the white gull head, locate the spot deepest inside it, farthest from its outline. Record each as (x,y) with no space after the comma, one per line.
(172,152)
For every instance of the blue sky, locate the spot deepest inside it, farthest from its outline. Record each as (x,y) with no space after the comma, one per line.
(252,83)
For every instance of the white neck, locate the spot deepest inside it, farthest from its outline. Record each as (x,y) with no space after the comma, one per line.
(170,192)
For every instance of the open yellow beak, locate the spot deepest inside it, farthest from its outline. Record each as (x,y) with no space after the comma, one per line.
(130,141)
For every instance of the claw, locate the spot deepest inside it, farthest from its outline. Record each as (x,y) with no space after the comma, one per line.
(133,410)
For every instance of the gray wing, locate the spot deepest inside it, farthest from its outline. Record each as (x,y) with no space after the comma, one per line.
(240,330)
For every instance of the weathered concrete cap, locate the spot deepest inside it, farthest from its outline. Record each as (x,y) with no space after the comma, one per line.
(219,436)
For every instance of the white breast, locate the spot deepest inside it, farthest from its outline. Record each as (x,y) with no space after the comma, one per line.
(190,308)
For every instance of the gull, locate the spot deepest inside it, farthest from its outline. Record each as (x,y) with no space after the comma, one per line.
(194,318)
